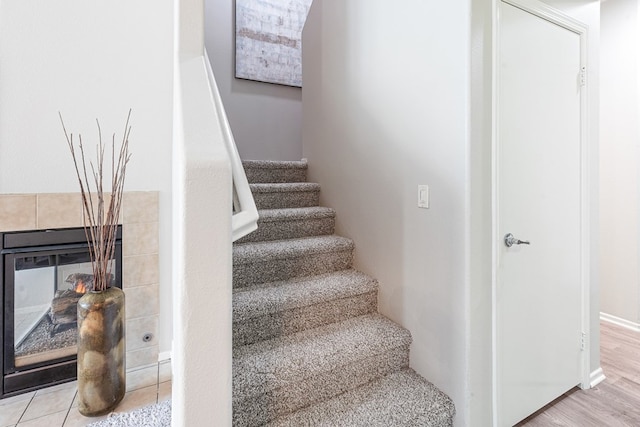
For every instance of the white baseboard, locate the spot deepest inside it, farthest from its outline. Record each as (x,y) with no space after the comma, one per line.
(596,377)
(620,322)
(164,356)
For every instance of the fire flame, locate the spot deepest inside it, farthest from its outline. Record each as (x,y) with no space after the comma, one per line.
(80,287)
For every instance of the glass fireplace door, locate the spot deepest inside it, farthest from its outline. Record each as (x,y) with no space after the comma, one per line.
(46,290)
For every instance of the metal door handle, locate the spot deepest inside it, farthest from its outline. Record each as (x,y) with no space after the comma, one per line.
(509,241)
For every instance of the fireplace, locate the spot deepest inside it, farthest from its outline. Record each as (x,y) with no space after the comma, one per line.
(44,273)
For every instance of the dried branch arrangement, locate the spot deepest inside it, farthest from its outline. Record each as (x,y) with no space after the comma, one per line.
(100,224)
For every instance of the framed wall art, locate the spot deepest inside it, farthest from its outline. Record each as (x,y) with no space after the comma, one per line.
(269,40)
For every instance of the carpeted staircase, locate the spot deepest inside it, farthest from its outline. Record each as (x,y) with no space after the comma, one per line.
(310,348)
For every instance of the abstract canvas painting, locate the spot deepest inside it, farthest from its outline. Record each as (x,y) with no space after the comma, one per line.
(269,40)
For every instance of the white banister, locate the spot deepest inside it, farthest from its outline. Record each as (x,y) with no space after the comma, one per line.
(245,214)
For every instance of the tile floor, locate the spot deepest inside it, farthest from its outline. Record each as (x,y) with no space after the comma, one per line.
(56,406)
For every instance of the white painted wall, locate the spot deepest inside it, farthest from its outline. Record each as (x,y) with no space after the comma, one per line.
(265,118)
(619,161)
(88,60)
(385,108)
(479,249)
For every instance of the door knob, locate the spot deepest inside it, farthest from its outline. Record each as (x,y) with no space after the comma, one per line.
(509,241)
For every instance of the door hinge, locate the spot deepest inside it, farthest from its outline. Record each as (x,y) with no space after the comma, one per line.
(583,76)
(583,341)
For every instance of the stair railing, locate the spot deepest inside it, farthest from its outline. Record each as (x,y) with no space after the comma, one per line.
(245,213)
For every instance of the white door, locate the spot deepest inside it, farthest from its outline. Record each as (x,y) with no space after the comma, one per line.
(538,186)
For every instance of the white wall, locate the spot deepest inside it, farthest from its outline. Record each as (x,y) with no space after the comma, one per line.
(385,107)
(265,118)
(480,241)
(619,160)
(88,60)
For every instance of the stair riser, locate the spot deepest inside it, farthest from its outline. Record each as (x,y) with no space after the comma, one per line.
(289,199)
(279,230)
(284,269)
(256,410)
(296,320)
(262,175)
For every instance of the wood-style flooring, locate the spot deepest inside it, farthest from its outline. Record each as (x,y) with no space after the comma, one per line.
(612,403)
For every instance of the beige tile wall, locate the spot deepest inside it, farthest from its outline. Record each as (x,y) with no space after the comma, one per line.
(140,275)
(140,269)
(58,210)
(18,212)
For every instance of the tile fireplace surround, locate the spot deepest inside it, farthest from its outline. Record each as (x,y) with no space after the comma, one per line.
(140,268)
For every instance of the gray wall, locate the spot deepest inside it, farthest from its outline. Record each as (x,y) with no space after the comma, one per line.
(265,118)
(619,161)
(385,109)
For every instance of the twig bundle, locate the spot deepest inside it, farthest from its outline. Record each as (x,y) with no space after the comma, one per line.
(101,225)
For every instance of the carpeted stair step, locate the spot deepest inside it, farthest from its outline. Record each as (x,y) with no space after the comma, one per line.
(286,195)
(258,171)
(262,262)
(278,224)
(270,310)
(277,377)
(401,399)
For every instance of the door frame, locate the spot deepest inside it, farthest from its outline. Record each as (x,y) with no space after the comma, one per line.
(550,14)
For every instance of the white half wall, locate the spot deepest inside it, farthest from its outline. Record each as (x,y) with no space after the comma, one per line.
(87,61)
(620,160)
(385,108)
(265,118)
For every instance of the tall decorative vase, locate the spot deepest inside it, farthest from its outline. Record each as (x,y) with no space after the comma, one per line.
(101,351)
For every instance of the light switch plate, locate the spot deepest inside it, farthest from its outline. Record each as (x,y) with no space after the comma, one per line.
(423,196)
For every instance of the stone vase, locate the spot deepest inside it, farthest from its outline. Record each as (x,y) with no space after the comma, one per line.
(101,351)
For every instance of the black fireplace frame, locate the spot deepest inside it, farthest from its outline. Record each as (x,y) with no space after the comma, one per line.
(18,380)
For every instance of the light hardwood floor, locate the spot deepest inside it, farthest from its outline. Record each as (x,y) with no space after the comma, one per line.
(613,403)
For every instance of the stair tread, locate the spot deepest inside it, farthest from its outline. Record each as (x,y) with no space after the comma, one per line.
(283,187)
(292,223)
(252,252)
(265,171)
(275,297)
(402,398)
(315,212)
(275,164)
(267,365)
